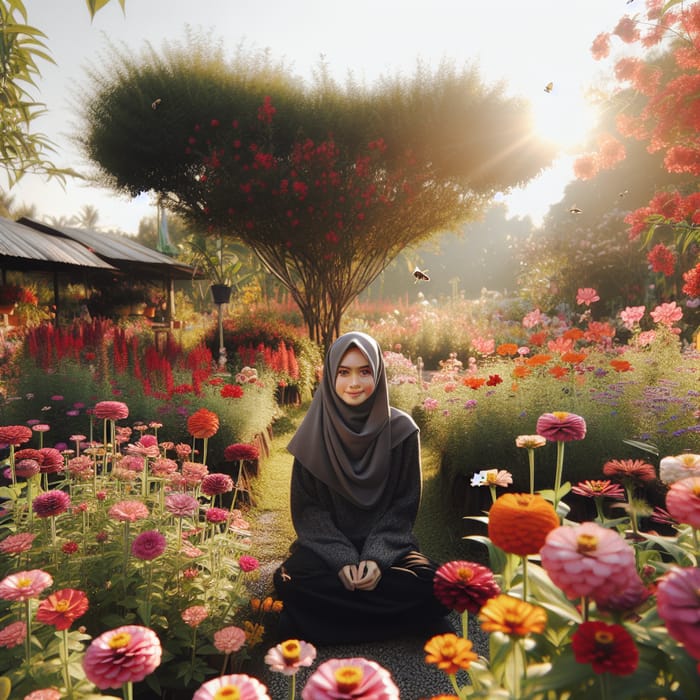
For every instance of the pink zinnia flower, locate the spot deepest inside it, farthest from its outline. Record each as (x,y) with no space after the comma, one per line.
(41,428)
(561,426)
(111,410)
(16,544)
(248,563)
(44,694)
(15,435)
(632,315)
(346,679)
(667,313)
(678,605)
(163,467)
(215,484)
(589,560)
(123,655)
(141,449)
(130,511)
(635,469)
(586,295)
(25,585)
(51,460)
(26,468)
(62,608)
(229,640)
(597,488)
(679,467)
(13,635)
(50,503)
(148,545)
(237,685)
(683,501)
(194,472)
(181,505)
(216,515)
(289,656)
(133,463)
(464,585)
(194,615)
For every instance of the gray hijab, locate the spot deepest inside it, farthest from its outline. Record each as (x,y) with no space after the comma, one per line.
(348,447)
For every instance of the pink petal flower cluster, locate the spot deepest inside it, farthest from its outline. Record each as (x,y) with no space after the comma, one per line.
(163,467)
(464,585)
(25,585)
(561,426)
(123,655)
(15,435)
(586,295)
(667,313)
(181,505)
(44,694)
(13,635)
(27,468)
(678,604)
(148,545)
(216,515)
(194,615)
(237,685)
(111,410)
(589,560)
(683,501)
(51,503)
(350,679)
(631,316)
(215,484)
(16,544)
(130,511)
(289,656)
(248,563)
(229,640)
(51,461)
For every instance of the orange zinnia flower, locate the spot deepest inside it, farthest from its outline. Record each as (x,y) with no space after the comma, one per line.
(573,357)
(539,359)
(621,365)
(450,653)
(520,522)
(203,423)
(572,334)
(507,349)
(473,382)
(512,616)
(521,371)
(558,371)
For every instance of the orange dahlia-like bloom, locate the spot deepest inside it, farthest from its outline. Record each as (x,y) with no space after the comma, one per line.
(450,653)
(537,360)
(621,365)
(507,349)
(203,423)
(573,357)
(520,522)
(512,616)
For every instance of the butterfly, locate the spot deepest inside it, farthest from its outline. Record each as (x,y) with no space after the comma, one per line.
(420,275)
(549,87)
(575,210)
(155,103)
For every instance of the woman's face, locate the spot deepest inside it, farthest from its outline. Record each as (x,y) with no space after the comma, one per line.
(354,381)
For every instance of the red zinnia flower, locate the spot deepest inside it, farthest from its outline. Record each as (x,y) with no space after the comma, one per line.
(148,545)
(241,451)
(111,410)
(51,503)
(231,391)
(629,469)
(203,423)
(464,585)
(15,434)
(608,648)
(51,460)
(215,484)
(62,608)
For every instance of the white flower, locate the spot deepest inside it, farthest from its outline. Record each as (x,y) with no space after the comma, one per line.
(672,469)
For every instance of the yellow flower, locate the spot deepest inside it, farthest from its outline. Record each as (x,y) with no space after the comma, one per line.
(450,653)
(512,616)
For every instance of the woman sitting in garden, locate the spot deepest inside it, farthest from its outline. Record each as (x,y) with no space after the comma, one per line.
(355,572)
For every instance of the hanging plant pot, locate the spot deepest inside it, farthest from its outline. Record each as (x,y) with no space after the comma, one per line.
(221,293)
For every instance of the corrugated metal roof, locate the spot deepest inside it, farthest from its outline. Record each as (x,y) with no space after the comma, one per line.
(24,242)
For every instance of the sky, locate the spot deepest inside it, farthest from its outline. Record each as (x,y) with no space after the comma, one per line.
(525,44)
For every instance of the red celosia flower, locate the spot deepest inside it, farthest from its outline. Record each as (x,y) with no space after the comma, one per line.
(241,451)
(15,434)
(561,426)
(692,282)
(51,503)
(464,585)
(123,655)
(636,469)
(62,608)
(111,410)
(608,648)
(203,423)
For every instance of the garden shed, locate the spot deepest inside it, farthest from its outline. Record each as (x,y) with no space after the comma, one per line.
(106,261)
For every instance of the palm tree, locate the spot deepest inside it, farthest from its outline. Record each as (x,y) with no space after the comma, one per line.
(88,217)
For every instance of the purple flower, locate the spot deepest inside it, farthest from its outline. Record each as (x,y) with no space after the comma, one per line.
(148,545)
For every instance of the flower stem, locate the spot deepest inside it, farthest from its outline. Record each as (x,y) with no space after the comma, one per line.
(531,460)
(292,687)
(64,660)
(28,637)
(558,472)
(455,685)
(465,624)
(525,587)
(604,686)
(128,691)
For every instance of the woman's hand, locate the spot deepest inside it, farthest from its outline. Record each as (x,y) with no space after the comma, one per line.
(362,577)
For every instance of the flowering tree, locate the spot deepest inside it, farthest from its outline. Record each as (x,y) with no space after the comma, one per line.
(325,185)
(664,114)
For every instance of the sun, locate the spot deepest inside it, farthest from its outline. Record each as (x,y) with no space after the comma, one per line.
(563,118)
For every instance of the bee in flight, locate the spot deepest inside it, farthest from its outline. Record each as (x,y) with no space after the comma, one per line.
(420,275)
(549,87)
